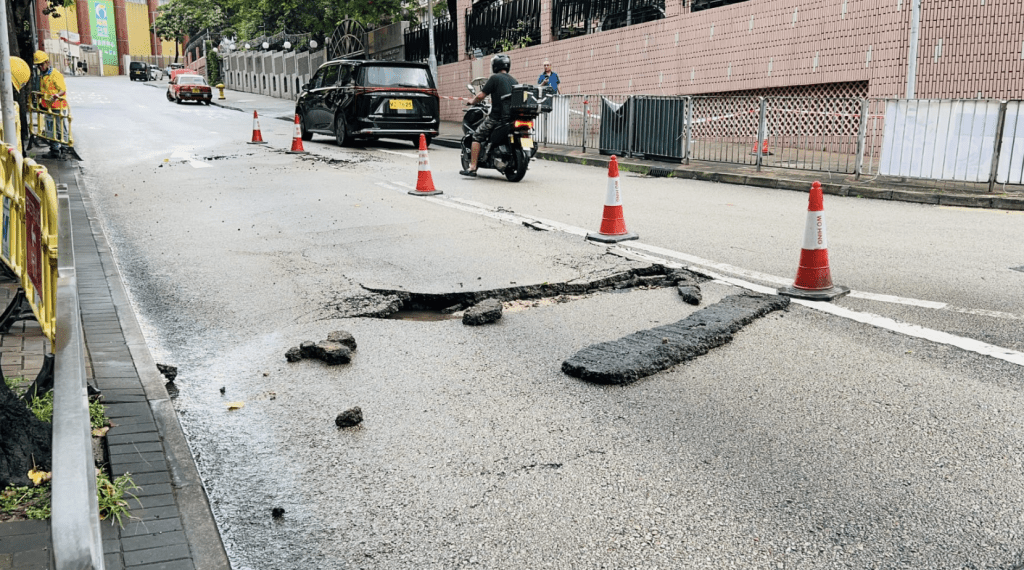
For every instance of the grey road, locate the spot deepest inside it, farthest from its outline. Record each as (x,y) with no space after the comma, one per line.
(814,440)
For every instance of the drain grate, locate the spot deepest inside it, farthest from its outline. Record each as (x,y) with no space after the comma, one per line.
(660,172)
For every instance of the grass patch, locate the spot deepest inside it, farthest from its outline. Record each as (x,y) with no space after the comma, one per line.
(25,502)
(13,383)
(34,502)
(42,407)
(111,495)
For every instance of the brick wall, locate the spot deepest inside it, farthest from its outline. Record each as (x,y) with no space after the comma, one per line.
(767,44)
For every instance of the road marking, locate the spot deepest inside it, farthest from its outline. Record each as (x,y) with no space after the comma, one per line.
(878,321)
(986,210)
(398,153)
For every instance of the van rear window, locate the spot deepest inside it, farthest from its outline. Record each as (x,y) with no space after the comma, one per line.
(384,76)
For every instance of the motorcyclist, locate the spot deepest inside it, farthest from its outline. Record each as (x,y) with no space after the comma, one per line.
(498,85)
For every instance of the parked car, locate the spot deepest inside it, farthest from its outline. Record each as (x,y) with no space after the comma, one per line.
(155,73)
(362,99)
(189,87)
(138,71)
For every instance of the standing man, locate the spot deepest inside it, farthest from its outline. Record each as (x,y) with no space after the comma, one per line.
(498,87)
(549,78)
(54,99)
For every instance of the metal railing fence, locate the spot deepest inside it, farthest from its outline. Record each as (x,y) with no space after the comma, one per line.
(954,141)
(501,26)
(446,42)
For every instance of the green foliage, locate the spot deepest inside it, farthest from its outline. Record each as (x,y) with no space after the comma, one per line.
(13,383)
(97,414)
(28,502)
(213,65)
(111,497)
(513,38)
(42,407)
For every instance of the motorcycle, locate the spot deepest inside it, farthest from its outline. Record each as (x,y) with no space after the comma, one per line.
(511,144)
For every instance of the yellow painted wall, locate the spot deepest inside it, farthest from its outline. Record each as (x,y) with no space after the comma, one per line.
(138,29)
(167,48)
(110,70)
(68,20)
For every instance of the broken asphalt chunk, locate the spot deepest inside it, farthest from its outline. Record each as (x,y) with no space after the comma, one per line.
(486,311)
(650,351)
(349,418)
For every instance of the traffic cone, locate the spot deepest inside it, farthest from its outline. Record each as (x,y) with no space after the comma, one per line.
(257,137)
(813,277)
(613,226)
(297,139)
(424,181)
(764,149)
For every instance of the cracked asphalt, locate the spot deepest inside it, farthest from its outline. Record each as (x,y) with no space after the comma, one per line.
(809,441)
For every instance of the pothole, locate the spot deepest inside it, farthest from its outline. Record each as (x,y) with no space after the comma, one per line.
(385,302)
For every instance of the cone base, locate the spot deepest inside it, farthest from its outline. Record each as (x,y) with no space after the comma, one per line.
(829,294)
(425,193)
(295,152)
(763,153)
(604,238)
(258,142)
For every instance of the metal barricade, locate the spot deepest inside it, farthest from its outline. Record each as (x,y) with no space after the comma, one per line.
(812,133)
(725,129)
(659,129)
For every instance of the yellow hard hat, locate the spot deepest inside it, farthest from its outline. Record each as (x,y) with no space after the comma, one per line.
(39,57)
(21,72)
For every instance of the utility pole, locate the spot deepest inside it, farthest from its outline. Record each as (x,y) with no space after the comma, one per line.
(10,135)
(915,26)
(431,59)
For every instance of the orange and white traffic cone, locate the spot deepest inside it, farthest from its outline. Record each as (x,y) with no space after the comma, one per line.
(297,139)
(764,149)
(257,137)
(424,181)
(813,277)
(613,226)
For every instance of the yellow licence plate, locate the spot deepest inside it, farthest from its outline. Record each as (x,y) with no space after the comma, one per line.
(527,143)
(195,90)
(401,104)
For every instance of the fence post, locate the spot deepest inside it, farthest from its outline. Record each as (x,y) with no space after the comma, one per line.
(630,128)
(688,114)
(586,113)
(760,131)
(998,146)
(862,132)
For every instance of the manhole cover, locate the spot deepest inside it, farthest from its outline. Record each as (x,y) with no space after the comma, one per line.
(1021,268)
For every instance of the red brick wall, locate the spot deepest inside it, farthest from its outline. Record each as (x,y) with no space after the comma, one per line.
(763,44)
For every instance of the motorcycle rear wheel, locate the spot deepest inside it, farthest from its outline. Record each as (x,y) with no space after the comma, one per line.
(515,172)
(467,158)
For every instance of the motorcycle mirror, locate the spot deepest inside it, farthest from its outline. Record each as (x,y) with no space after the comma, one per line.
(471,90)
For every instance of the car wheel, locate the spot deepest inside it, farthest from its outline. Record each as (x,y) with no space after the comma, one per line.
(169,98)
(340,131)
(516,172)
(306,135)
(179,101)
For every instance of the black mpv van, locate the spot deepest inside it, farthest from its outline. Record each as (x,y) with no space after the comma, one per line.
(363,99)
(138,70)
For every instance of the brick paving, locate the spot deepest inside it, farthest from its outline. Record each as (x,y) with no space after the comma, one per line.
(171,526)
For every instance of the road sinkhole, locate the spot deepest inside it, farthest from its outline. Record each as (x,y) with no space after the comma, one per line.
(394,303)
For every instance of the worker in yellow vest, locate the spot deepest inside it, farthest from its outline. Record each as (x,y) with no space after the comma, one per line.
(21,73)
(54,99)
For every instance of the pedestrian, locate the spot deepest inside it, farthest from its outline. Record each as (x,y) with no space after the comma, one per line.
(498,86)
(549,78)
(21,74)
(53,102)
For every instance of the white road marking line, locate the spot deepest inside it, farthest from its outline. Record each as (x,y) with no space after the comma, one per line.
(878,321)
(398,153)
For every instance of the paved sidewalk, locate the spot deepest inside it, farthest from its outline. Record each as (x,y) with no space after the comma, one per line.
(172,527)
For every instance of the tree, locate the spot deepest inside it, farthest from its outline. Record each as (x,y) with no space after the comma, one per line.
(180,18)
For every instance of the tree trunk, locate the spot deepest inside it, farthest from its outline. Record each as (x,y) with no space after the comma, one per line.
(24,441)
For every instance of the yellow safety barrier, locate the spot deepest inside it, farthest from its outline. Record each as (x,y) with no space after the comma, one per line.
(28,245)
(51,125)
(39,279)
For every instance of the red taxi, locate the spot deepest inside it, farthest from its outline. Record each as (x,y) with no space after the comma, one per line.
(188,87)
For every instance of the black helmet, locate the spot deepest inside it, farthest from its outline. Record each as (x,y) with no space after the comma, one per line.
(499,62)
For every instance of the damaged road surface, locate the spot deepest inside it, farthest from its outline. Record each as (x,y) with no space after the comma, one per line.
(804,442)
(646,352)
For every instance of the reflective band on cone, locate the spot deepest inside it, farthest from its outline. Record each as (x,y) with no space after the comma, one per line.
(297,139)
(613,225)
(813,276)
(257,137)
(424,181)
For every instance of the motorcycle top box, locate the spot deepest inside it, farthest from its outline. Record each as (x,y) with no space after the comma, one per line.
(525,101)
